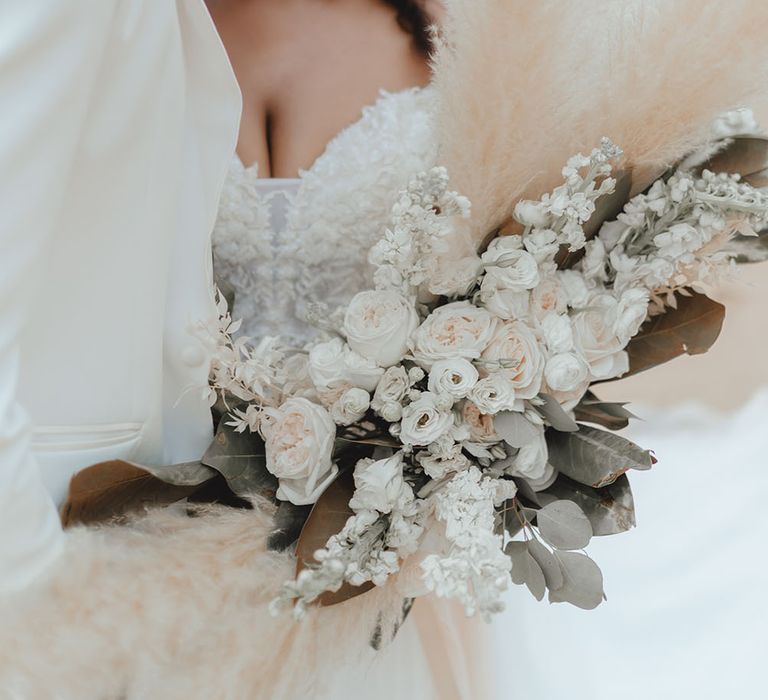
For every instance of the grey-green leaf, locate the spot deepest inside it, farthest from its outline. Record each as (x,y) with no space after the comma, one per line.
(595,457)
(611,509)
(582,582)
(564,525)
(555,415)
(515,429)
(550,567)
(525,570)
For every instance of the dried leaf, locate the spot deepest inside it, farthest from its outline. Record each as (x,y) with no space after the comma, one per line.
(691,328)
(555,415)
(564,526)
(525,569)
(746,155)
(515,429)
(595,457)
(328,517)
(611,509)
(111,490)
(240,458)
(553,574)
(613,416)
(582,582)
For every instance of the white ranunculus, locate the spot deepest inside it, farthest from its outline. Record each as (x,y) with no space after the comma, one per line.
(453,377)
(378,484)
(566,372)
(594,333)
(494,394)
(299,438)
(351,406)
(424,421)
(455,330)
(391,390)
(557,332)
(514,353)
(379,325)
(507,304)
(514,268)
(333,365)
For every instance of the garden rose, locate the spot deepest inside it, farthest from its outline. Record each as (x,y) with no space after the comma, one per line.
(594,331)
(454,378)
(566,372)
(455,330)
(333,365)
(299,438)
(480,424)
(379,325)
(514,353)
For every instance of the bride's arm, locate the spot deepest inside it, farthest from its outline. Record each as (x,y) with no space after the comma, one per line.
(49,56)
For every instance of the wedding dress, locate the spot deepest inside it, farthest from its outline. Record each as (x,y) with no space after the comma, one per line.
(284,246)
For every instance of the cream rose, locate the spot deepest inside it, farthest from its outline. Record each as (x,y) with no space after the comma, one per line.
(480,424)
(515,354)
(594,332)
(378,484)
(454,378)
(424,421)
(299,438)
(514,269)
(455,330)
(379,325)
(566,372)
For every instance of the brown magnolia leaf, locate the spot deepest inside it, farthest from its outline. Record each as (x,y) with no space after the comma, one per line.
(758,179)
(691,328)
(613,416)
(328,517)
(111,490)
(747,155)
(607,208)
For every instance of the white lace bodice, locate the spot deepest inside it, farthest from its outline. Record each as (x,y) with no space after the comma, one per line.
(283,245)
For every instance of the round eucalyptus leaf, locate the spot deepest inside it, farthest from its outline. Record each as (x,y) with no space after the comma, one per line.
(550,567)
(525,569)
(564,525)
(582,582)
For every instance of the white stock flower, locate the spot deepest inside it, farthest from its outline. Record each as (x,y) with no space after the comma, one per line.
(514,353)
(494,394)
(542,244)
(351,407)
(424,421)
(531,213)
(454,377)
(515,269)
(594,331)
(379,484)
(566,372)
(455,330)
(379,325)
(679,241)
(299,438)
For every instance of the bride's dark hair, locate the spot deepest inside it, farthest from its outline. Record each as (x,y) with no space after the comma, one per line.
(412,17)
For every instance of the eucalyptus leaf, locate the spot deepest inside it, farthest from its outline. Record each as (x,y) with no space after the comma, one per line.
(555,415)
(611,509)
(564,525)
(550,566)
(512,521)
(525,569)
(515,429)
(595,457)
(582,581)
(241,459)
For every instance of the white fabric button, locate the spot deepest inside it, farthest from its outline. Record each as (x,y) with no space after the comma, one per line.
(193,356)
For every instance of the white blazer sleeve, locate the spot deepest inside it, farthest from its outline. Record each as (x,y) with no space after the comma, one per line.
(49,59)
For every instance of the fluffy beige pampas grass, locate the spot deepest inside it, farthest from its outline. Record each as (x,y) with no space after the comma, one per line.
(525,84)
(176,608)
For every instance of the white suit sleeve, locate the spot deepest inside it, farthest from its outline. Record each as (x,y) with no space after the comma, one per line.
(50,53)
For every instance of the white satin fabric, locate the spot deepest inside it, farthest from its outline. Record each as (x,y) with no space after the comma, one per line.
(118,123)
(687,609)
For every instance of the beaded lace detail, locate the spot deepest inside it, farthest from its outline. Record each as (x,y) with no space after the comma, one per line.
(282,246)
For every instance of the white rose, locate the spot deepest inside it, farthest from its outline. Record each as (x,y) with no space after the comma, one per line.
(299,438)
(548,297)
(391,390)
(455,330)
(631,312)
(454,277)
(351,407)
(480,424)
(514,269)
(530,462)
(424,421)
(515,354)
(557,332)
(378,484)
(453,377)
(576,290)
(333,365)
(508,304)
(594,331)
(566,372)
(494,394)
(379,325)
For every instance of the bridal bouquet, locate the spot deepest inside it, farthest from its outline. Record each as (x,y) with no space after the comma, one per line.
(445,429)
